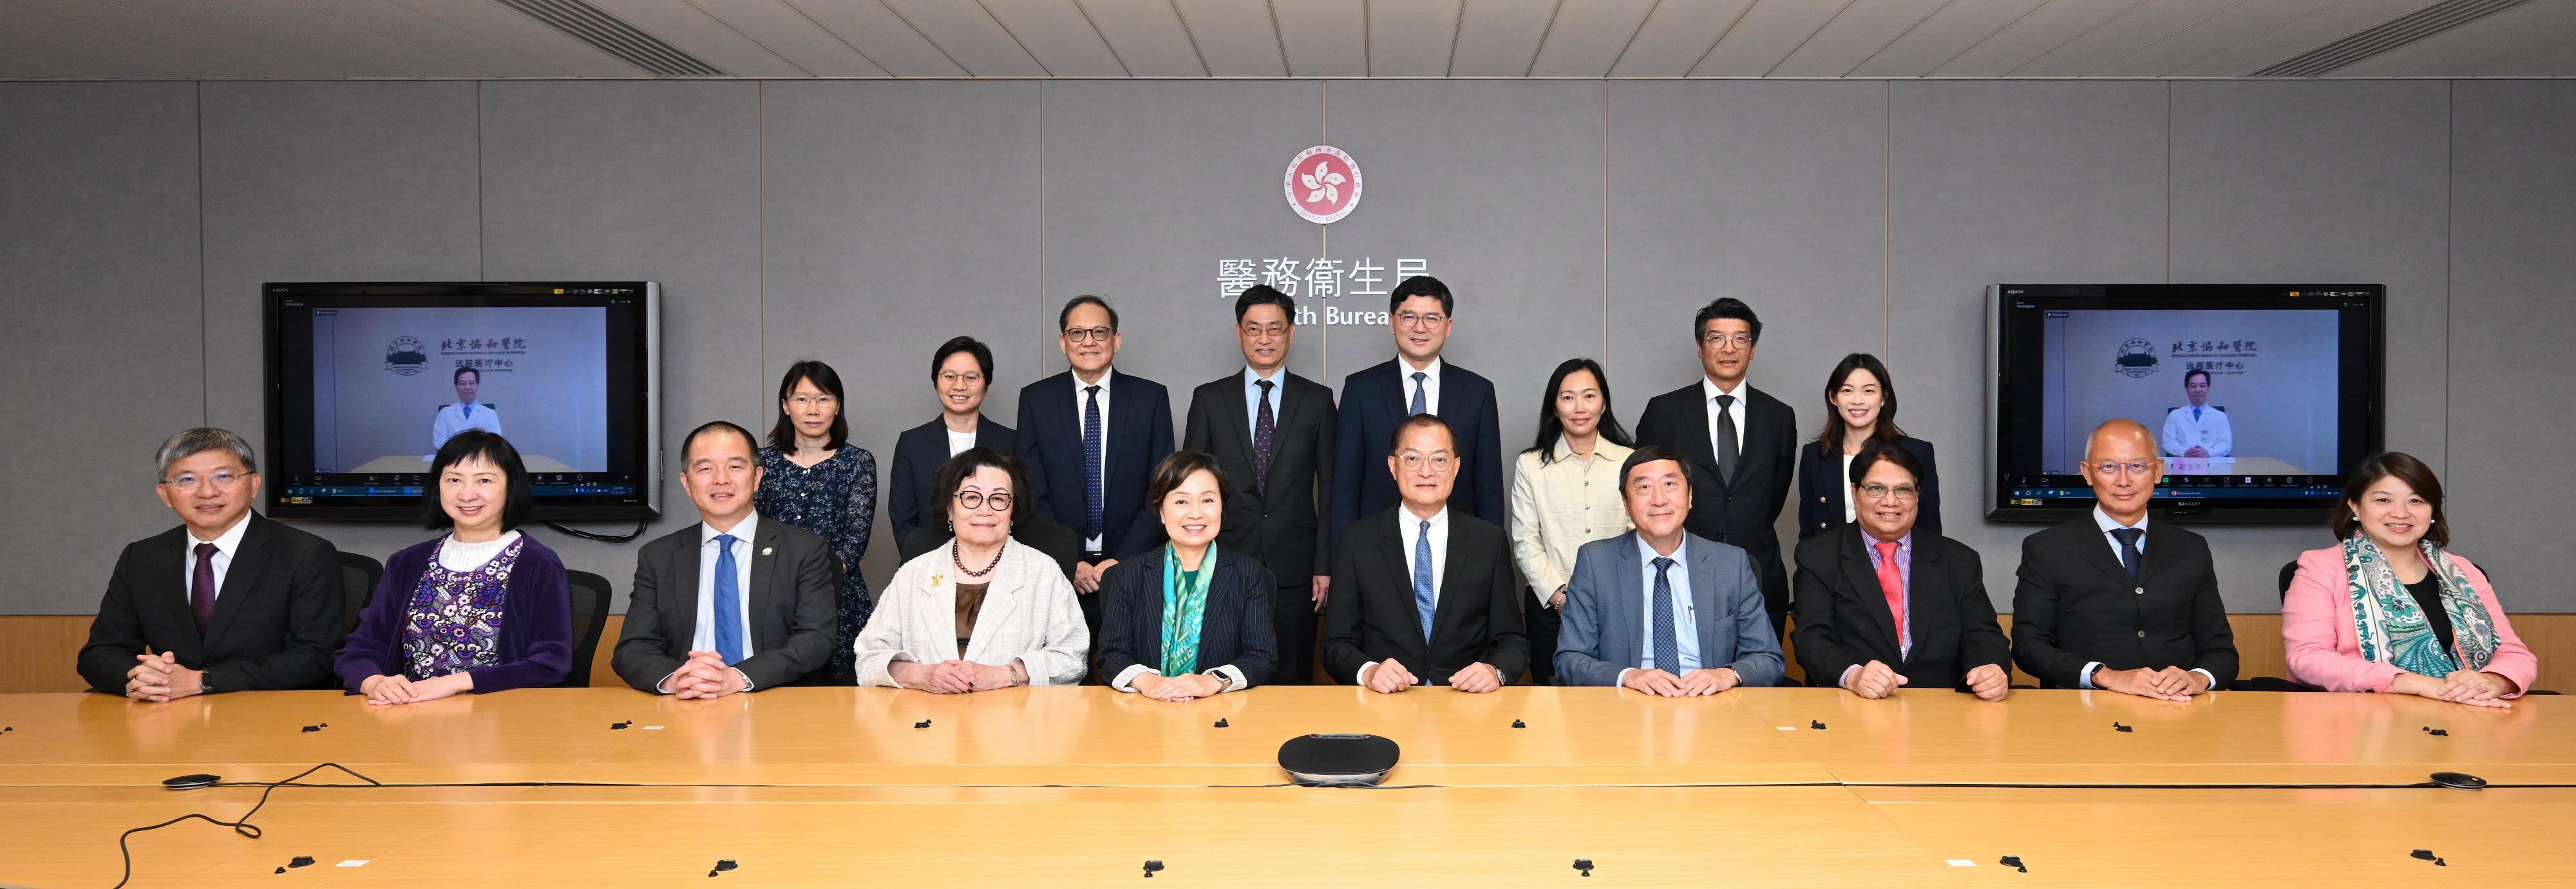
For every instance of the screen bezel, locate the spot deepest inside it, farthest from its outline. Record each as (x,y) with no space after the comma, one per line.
(2363,420)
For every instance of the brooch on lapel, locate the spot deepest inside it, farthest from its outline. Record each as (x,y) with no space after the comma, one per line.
(937,578)
(764,550)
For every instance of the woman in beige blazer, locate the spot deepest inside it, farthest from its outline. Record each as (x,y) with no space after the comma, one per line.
(1565,493)
(983,612)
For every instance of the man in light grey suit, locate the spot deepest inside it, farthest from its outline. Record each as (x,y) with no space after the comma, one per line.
(732,603)
(1660,610)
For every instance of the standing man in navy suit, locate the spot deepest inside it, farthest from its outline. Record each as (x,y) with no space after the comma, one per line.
(1377,399)
(1091,438)
(1272,433)
(1741,442)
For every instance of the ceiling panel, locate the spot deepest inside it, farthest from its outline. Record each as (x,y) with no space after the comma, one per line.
(1499,38)
(214,56)
(2462,49)
(969,35)
(1853,37)
(2299,35)
(1949,32)
(69,49)
(1588,37)
(1324,38)
(1236,37)
(332,33)
(219,21)
(2543,51)
(501,25)
(884,38)
(1677,35)
(1412,38)
(1767,33)
(2209,36)
(2144,24)
(695,32)
(1147,36)
(406,25)
(1059,35)
(2032,36)
(793,36)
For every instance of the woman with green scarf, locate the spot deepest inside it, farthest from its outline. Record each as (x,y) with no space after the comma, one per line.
(1192,619)
(2391,610)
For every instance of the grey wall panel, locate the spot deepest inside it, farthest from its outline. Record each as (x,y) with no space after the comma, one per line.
(328,182)
(2327,181)
(1500,186)
(1770,192)
(1148,186)
(2513,256)
(650,181)
(1994,183)
(98,266)
(897,215)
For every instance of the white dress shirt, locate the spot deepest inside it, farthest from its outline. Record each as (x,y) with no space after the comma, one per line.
(1559,505)
(226,544)
(1708,392)
(2104,521)
(959,442)
(1404,372)
(1081,407)
(704,637)
(452,420)
(1408,528)
(1685,613)
(459,556)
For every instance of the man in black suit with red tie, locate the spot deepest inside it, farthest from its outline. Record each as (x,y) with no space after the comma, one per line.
(1423,594)
(1272,433)
(1742,443)
(1884,604)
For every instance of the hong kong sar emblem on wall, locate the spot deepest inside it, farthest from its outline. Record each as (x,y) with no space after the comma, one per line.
(1323,184)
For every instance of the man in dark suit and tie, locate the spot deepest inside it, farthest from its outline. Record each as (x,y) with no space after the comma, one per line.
(1417,381)
(1424,595)
(1883,603)
(1660,610)
(732,603)
(227,601)
(1272,433)
(1088,463)
(1741,442)
(2108,602)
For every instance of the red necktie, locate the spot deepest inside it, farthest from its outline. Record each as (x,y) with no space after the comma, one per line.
(1892,582)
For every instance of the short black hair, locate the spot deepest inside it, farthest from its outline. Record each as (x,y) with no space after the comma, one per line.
(516,502)
(461,371)
(1421,285)
(1264,295)
(2405,468)
(783,434)
(1645,454)
(969,345)
(1065,317)
(2194,372)
(1395,442)
(1726,308)
(712,426)
(1175,469)
(1885,452)
(953,474)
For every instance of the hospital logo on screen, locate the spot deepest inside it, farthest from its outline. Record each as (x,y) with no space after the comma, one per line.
(1323,184)
(405,356)
(2137,359)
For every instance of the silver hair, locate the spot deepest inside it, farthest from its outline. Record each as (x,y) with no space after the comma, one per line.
(191,442)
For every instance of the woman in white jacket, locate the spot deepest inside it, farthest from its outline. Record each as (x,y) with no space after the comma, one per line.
(983,612)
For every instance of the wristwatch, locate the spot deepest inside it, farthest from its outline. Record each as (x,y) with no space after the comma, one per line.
(206,681)
(1499,679)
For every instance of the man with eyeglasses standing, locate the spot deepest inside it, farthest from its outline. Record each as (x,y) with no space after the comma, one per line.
(1272,433)
(2108,602)
(1742,444)
(227,601)
(1089,464)
(1423,594)
(1417,381)
(1882,607)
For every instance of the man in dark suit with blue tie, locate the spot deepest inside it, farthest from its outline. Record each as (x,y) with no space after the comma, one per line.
(1377,399)
(1741,442)
(1272,433)
(1090,463)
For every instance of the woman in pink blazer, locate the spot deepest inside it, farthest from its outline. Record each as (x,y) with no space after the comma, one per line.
(2389,610)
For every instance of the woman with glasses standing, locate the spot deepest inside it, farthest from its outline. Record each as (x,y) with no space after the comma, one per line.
(983,612)
(1860,412)
(813,478)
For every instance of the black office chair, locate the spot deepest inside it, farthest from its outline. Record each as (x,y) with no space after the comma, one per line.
(2275,683)
(590,594)
(358,578)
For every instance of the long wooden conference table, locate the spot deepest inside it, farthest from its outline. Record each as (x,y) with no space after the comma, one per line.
(1082,786)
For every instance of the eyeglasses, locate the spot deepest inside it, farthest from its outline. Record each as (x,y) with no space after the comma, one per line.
(951,378)
(821,401)
(1875,491)
(1258,330)
(1738,340)
(1439,461)
(2137,467)
(972,500)
(1413,319)
(1081,334)
(189,482)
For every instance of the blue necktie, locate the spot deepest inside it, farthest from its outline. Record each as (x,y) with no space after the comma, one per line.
(469,410)
(1422,578)
(2129,548)
(2195,415)
(1668,650)
(1091,464)
(1420,404)
(728,603)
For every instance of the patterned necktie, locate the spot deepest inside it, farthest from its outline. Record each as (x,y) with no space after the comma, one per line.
(1668,650)
(1265,430)
(2128,538)
(1891,582)
(1726,449)
(1420,402)
(201,589)
(728,603)
(1091,507)
(1422,578)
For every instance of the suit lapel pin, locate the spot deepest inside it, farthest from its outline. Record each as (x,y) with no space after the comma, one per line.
(937,578)
(764,550)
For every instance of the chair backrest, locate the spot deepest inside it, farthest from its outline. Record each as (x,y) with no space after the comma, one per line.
(2289,570)
(590,594)
(358,578)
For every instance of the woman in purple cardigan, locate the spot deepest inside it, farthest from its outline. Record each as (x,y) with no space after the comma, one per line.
(481,609)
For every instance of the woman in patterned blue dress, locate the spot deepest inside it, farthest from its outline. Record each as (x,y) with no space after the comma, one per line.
(813,478)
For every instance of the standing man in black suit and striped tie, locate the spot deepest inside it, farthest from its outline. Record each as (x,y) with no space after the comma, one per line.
(1272,433)
(1742,442)
(1417,381)
(1089,462)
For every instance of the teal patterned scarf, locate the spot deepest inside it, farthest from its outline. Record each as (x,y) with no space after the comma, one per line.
(1184,609)
(2392,628)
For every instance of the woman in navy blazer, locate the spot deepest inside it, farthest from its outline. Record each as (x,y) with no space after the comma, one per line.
(1860,408)
(482,608)
(961,373)
(1211,606)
